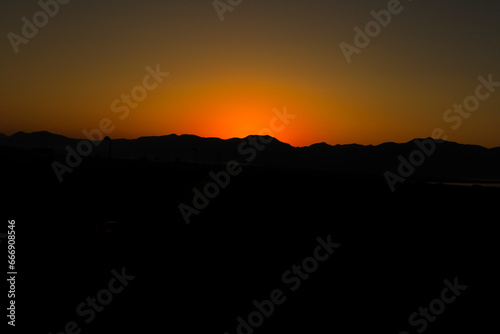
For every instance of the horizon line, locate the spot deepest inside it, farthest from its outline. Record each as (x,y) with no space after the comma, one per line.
(241,138)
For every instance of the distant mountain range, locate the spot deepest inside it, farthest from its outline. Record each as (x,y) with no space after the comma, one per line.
(449,159)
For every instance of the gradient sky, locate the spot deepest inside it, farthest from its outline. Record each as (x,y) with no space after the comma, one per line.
(227,77)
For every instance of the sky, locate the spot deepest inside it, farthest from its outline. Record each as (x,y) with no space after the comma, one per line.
(229,78)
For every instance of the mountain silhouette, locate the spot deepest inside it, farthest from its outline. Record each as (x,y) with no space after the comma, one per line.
(124,210)
(449,159)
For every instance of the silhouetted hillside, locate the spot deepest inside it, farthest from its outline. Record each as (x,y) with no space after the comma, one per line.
(447,160)
(397,247)
(41,139)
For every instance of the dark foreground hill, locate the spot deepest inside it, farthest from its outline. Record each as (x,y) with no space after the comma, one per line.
(439,159)
(247,238)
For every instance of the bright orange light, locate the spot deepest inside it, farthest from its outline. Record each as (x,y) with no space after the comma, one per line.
(238,109)
(238,121)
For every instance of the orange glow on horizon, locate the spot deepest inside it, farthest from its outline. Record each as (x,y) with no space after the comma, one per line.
(225,79)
